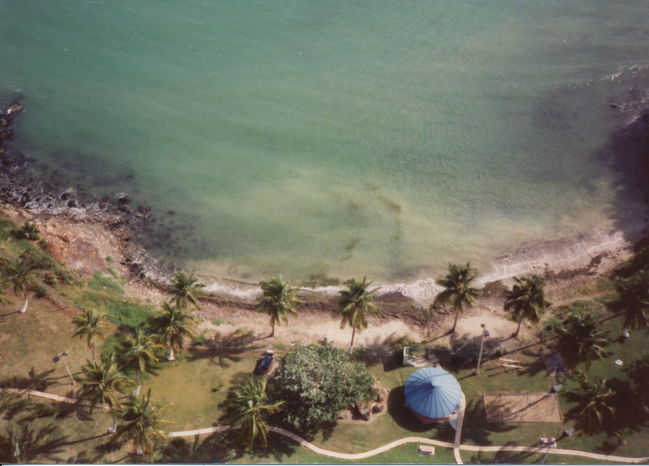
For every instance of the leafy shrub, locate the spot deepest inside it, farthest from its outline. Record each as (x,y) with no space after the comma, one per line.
(316,382)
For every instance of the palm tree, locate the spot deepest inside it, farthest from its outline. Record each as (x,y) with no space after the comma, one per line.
(20,276)
(247,408)
(136,353)
(593,410)
(22,443)
(580,339)
(90,325)
(173,325)
(526,300)
(278,300)
(185,289)
(28,231)
(141,423)
(354,303)
(102,384)
(634,299)
(457,288)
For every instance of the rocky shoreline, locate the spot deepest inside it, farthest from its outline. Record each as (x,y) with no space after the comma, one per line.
(44,197)
(73,216)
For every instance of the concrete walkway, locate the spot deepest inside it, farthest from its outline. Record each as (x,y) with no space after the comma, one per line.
(458,432)
(456,446)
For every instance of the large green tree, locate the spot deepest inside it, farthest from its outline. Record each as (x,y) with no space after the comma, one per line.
(90,325)
(141,423)
(634,299)
(458,291)
(580,339)
(316,382)
(278,300)
(593,409)
(355,304)
(102,384)
(526,300)
(137,353)
(247,409)
(185,290)
(172,325)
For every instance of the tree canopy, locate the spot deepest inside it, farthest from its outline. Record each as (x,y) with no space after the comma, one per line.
(316,382)
(457,288)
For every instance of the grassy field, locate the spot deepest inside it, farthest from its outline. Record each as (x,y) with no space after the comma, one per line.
(196,384)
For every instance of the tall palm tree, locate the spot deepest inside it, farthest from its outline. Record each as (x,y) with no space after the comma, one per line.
(278,300)
(354,304)
(22,443)
(173,325)
(90,325)
(526,300)
(102,384)
(247,408)
(142,424)
(593,409)
(457,288)
(580,339)
(634,299)
(185,289)
(20,275)
(137,353)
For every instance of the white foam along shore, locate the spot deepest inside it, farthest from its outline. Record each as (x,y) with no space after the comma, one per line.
(595,252)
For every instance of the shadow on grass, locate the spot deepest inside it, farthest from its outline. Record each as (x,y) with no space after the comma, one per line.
(504,457)
(476,429)
(406,419)
(32,381)
(225,447)
(225,349)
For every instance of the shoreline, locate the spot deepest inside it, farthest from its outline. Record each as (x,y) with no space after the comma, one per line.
(113,220)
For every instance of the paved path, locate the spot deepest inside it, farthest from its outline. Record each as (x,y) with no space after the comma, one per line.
(456,446)
(458,432)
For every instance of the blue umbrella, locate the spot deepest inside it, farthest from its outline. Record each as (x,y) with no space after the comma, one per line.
(433,393)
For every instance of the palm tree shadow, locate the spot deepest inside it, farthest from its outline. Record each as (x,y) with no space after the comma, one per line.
(32,381)
(403,416)
(225,349)
(475,426)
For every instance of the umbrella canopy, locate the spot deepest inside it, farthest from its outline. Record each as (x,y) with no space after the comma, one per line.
(433,393)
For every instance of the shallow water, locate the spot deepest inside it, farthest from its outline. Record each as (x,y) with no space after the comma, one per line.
(333,138)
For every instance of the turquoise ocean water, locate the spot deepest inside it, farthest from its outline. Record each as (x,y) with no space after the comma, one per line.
(337,137)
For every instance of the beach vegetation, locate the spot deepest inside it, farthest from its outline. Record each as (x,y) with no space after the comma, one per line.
(458,290)
(90,325)
(355,304)
(526,300)
(24,442)
(581,339)
(316,382)
(137,352)
(278,300)
(21,275)
(247,409)
(185,290)
(28,231)
(634,299)
(172,325)
(141,423)
(103,384)
(593,410)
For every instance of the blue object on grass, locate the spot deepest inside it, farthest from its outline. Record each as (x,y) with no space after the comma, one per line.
(433,393)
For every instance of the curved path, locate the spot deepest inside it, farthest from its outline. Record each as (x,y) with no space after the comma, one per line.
(456,445)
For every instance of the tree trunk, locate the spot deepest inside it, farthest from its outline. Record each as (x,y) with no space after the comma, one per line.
(351,346)
(457,314)
(171,355)
(93,351)
(25,304)
(518,329)
(272,330)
